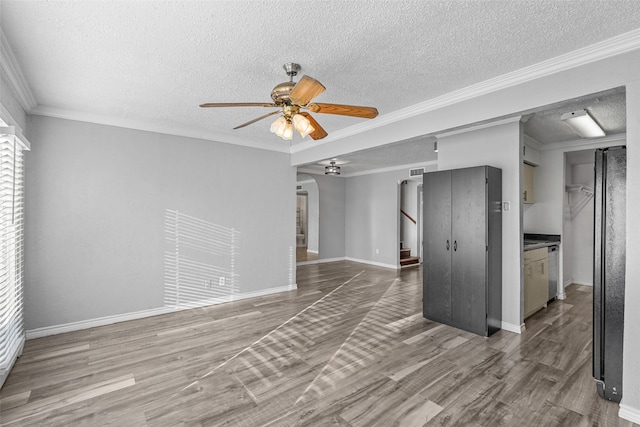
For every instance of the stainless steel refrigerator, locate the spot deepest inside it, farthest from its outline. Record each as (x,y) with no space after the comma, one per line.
(609,270)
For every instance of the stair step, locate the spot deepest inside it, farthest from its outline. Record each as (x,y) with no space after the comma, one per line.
(409,261)
(405,253)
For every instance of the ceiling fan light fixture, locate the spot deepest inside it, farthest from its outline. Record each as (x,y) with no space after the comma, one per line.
(302,125)
(583,124)
(288,132)
(278,126)
(332,169)
(290,97)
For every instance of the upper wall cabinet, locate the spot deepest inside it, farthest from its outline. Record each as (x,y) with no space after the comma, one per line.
(530,154)
(528,177)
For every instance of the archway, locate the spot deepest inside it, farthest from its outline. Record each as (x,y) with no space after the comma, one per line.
(307,219)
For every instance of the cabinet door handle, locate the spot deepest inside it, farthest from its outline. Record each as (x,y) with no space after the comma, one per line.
(447,244)
(455,245)
(541,268)
(524,195)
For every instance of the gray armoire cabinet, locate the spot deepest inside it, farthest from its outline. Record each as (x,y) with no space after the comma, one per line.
(462,270)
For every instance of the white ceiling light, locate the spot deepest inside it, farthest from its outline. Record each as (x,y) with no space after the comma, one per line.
(333,169)
(302,125)
(582,122)
(283,126)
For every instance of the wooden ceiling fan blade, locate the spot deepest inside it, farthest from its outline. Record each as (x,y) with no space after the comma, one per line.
(343,110)
(318,132)
(305,90)
(257,119)
(237,104)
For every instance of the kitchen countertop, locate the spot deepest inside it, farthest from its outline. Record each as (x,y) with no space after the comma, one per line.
(536,241)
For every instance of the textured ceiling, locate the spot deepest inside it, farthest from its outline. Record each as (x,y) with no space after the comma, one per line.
(416,151)
(542,124)
(153,62)
(608,109)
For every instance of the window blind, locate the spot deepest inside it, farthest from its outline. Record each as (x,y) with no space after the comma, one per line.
(12,334)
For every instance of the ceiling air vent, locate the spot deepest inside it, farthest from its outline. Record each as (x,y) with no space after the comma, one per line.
(416,172)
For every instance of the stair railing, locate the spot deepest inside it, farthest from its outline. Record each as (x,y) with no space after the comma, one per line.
(408,216)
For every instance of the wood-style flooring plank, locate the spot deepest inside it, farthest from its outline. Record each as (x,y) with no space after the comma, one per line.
(348,348)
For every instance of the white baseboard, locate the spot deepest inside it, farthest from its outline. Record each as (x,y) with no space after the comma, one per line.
(312,252)
(108,320)
(629,413)
(315,261)
(377,264)
(562,295)
(577,282)
(518,329)
(358,260)
(323,260)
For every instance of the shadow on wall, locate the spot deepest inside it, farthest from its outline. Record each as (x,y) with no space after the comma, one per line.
(200,260)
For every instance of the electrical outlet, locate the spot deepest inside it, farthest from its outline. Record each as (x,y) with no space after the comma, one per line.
(207,284)
(377,251)
(221,281)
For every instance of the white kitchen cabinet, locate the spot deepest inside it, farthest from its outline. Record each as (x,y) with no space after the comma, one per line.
(530,154)
(528,178)
(536,280)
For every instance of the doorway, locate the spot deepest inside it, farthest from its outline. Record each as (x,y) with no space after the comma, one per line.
(578,208)
(307,219)
(302,219)
(410,223)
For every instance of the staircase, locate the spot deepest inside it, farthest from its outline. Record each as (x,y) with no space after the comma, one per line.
(406,259)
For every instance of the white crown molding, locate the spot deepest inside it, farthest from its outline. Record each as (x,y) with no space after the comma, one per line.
(532,142)
(10,121)
(479,127)
(12,72)
(59,113)
(617,45)
(587,144)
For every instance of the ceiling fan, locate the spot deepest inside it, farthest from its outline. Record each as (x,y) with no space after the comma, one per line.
(292,98)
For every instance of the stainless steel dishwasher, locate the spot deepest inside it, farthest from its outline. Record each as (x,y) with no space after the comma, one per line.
(553,272)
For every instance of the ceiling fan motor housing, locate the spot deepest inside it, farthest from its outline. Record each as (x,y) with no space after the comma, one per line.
(280,93)
(292,97)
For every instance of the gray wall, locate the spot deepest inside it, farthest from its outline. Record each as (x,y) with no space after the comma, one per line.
(372,214)
(498,146)
(630,405)
(331,195)
(96,205)
(582,224)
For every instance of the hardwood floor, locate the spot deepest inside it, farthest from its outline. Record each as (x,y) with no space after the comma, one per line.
(348,348)
(302,254)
